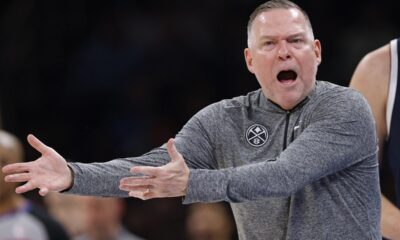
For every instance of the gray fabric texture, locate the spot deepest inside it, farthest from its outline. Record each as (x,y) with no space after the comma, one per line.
(315,177)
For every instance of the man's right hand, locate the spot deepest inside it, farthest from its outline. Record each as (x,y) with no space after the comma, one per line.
(50,172)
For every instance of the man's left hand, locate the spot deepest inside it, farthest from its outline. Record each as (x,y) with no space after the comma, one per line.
(170,180)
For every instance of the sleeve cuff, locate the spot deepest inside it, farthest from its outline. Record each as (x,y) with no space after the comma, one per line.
(72,180)
(206,186)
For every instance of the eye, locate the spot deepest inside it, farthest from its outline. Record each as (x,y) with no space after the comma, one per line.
(297,42)
(268,44)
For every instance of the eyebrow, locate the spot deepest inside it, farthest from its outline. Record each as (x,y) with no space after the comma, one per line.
(299,34)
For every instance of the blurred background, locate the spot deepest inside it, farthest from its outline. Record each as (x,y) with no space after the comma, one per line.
(98,80)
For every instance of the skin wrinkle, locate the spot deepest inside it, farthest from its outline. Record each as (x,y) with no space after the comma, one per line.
(282,52)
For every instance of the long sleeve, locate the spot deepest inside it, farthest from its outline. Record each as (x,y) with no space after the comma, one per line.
(338,136)
(102,179)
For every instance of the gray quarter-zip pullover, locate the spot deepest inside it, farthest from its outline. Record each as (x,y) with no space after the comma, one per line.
(308,173)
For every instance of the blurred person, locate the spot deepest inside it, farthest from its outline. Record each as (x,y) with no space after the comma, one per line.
(69,210)
(209,221)
(19,217)
(104,220)
(297,158)
(377,78)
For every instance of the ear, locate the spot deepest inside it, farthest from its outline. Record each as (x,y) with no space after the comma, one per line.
(249,60)
(318,50)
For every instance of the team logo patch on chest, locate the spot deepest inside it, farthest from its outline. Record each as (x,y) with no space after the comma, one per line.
(256,135)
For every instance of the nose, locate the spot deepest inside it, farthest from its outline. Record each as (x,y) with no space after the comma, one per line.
(283,51)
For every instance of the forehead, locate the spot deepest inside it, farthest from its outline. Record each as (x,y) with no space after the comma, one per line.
(279,21)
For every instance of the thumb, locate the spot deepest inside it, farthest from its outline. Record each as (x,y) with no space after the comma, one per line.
(43,191)
(172,151)
(37,144)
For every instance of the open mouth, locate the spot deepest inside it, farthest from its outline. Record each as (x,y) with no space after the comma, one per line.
(287,76)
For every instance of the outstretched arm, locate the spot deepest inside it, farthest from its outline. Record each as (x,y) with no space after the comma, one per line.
(336,139)
(50,172)
(170,180)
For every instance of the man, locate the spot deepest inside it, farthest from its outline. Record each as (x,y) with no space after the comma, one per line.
(209,221)
(68,210)
(104,219)
(296,159)
(19,218)
(376,77)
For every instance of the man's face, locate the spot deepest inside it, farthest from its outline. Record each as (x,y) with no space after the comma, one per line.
(7,156)
(283,55)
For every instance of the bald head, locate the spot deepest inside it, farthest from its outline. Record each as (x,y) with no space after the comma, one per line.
(10,152)
(272,5)
(10,148)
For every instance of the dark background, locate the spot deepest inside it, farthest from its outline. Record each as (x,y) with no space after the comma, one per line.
(98,80)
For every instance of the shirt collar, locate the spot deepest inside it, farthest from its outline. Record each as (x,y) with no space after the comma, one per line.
(269,105)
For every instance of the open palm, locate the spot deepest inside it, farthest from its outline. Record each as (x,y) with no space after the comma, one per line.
(50,172)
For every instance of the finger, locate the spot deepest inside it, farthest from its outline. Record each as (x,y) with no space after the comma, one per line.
(16,168)
(136,181)
(129,188)
(25,188)
(43,191)
(146,170)
(136,194)
(172,151)
(37,144)
(141,195)
(21,177)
